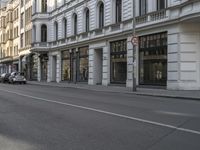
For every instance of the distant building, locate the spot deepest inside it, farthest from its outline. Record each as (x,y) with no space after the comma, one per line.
(9,36)
(25,56)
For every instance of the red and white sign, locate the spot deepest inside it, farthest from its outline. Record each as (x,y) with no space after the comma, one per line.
(134,40)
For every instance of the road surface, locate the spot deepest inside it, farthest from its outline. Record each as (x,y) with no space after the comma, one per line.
(34,117)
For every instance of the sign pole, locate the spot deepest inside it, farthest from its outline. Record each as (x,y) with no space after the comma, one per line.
(134,42)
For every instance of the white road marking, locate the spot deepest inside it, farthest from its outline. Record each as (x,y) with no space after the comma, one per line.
(107,112)
(175,113)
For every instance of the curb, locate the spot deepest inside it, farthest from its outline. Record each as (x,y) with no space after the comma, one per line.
(169,96)
(123,92)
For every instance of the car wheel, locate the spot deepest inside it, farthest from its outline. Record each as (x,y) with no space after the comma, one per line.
(24,82)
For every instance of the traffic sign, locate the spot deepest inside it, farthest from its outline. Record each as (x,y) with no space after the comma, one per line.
(134,40)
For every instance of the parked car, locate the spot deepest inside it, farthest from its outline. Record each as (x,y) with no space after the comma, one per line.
(17,77)
(5,77)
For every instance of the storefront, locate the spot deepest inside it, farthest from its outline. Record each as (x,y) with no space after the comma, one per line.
(75,65)
(83,64)
(15,66)
(118,54)
(33,66)
(44,66)
(24,65)
(66,68)
(7,65)
(153,59)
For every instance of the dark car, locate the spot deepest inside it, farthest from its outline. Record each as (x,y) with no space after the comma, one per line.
(5,77)
(17,77)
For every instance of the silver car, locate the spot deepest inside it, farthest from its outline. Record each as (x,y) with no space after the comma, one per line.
(17,77)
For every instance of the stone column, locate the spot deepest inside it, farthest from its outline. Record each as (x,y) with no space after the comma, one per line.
(38,32)
(130,63)
(106,65)
(20,64)
(49,74)
(58,67)
(39,69)
(91,67)
(9,68)
(131,60)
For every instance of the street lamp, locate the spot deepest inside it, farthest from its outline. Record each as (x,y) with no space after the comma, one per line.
(134,43)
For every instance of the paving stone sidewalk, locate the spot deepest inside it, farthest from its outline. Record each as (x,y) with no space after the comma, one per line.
(193,95)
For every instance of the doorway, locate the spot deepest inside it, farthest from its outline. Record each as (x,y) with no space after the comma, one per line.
(54,64)
(98,66)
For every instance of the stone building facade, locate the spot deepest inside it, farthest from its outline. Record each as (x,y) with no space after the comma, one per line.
(26,58)
(80,36)
(9,36)
(89,41)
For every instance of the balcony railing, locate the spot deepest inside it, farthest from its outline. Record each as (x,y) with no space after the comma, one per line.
(40,16)
(158,15)
(115,27)
(91,35)
(84,35)
(151,17)
(40,44)
(98,31)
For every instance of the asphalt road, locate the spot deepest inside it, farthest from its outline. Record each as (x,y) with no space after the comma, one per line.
(48,118)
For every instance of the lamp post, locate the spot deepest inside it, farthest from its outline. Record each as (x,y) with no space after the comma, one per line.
(134,43)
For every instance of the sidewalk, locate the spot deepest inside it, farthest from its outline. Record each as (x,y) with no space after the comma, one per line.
(193,95)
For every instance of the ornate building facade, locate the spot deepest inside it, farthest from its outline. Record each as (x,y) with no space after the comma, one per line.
(26,58)
(9,37)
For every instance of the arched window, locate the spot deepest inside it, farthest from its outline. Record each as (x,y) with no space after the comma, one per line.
(118,11)
(101,15)
(87,20)
(44,5)
(43,33)
(75,23)
(56,30)
(64,27)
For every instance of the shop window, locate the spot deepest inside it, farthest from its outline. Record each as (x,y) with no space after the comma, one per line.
(66,69)
(153,59)
(34,67)
(83,64)
(118,61)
